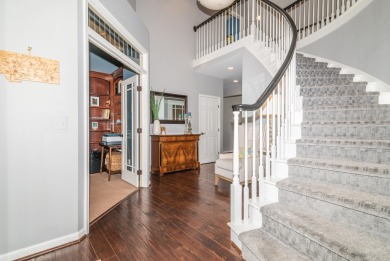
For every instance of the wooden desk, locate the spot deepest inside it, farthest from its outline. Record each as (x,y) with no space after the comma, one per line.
(109,148)
(174,152)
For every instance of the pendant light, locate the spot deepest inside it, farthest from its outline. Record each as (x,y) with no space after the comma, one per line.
(216,4)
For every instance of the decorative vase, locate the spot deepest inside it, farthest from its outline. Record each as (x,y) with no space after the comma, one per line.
(156,127)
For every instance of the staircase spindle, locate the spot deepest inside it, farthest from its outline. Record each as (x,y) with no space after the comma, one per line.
(246,188)
(273,146)
(268,158)
(254,157)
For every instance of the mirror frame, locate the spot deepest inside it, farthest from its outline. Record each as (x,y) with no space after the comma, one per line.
(165,94)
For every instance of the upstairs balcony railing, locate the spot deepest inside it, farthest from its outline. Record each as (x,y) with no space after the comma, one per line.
(312,15)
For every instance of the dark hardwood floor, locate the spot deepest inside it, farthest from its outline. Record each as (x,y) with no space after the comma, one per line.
(181,216)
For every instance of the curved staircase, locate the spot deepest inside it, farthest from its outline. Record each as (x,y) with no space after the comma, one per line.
(335,204)
(323,129)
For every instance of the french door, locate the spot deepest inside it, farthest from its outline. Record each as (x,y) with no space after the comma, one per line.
(130,123)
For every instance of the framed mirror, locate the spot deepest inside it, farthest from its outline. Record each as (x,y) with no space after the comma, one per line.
(172,108)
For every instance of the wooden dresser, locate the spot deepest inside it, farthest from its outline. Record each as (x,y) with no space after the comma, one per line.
(174,152)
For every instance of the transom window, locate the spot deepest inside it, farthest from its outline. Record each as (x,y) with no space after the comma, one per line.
(102,28)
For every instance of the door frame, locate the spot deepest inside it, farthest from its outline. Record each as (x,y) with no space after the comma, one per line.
(219,119)
(91,36)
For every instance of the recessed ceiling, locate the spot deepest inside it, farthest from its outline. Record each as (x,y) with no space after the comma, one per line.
(219,68)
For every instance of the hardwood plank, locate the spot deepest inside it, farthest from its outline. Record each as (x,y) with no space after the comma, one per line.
(181,216)
(99,243)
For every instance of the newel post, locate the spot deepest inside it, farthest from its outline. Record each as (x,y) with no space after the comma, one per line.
(235,187)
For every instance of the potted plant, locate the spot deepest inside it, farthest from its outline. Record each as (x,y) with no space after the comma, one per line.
(155,102)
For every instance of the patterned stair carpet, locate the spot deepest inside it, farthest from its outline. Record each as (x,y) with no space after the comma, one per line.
(105,195)
(335,205)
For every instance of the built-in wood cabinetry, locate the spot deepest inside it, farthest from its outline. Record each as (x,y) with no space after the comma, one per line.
(174,152)
(105,106)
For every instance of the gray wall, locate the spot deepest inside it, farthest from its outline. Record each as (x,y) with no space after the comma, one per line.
(42,163)
(227,128)
(133,3)
(255,78)
(172,50)
(362,43)
(39,159)
(122,11)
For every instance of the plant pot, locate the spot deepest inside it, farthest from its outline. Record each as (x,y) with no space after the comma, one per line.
(156,127)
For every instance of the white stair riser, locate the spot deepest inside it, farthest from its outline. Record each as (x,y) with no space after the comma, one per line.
(268,192)
(281,169)
(290,149)
(255,216)
(296,131)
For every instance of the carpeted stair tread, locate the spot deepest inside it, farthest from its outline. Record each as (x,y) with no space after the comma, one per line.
(342,95)
(368,177)
(369,203)
(352,122)
(259,245)
(362,168)
(331,90)
(336,114)
(346,100)
(346,130)
(349,107)
(347,243)
(338,141)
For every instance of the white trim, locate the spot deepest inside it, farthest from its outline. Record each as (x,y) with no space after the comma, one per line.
(108,48)
(219,118)
(340,21)
(42,246)
(97,7)
(84,110)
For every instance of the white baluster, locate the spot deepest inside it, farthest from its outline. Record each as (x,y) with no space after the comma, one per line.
(327,12)
(318,15)
(300,18)
(278,140)
(308,18)
(235,187)
(254,157)
(338,8)
(261,148)
(304,18)
(283,128)
(246,188)
(237,34)
(273,147)
(253,26)
(267,159)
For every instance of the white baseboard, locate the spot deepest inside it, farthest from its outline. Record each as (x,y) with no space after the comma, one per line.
(42,246)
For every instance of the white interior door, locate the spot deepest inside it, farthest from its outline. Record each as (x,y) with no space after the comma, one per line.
(130,123)
(209,125)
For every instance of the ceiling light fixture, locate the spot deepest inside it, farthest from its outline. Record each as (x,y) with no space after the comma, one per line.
(230,68)
(236,81)
(216,4)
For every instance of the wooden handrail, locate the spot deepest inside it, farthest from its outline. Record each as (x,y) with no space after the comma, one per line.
(274,82)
